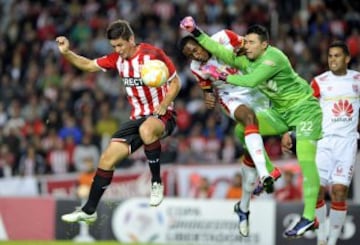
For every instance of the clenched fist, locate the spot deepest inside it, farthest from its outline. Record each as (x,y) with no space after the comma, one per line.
(188,24)
(63,44)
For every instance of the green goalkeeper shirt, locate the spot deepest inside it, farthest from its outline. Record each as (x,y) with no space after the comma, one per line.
(271,73)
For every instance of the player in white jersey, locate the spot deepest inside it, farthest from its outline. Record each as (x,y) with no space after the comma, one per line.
(152,115)
(237,102)
(338,91)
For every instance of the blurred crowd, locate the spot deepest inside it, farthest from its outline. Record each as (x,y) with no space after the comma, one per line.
(55,119)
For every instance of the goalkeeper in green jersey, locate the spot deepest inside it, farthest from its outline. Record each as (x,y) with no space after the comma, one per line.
(293,105)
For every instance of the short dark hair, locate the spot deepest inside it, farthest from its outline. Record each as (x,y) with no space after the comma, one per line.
(119,29)
(340,44)
(259,30)
(183,41)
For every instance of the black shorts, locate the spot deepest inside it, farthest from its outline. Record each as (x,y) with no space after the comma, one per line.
(129,131)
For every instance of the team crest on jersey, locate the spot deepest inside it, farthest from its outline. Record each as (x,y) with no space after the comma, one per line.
(269,63)
(355,87)
(343,108)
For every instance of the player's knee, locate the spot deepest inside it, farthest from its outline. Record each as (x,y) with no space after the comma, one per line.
(115,152)
(149,132)
(107,161)
(339,192)
(245,115)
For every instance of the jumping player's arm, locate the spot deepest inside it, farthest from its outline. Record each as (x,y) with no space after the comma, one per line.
(263,72)
(174,89)
(223,53)
(79,61)
(173,81)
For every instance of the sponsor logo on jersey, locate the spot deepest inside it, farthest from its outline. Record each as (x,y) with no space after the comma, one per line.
(132,82)
(343,111)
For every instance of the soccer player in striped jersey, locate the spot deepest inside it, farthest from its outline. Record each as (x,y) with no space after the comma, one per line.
(152,115)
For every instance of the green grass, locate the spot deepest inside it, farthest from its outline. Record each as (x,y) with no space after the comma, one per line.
(62,243)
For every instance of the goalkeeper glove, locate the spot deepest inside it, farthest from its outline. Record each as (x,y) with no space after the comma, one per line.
(214,72)
(188,24)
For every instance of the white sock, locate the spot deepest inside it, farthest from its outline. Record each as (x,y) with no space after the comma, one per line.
(337,219)
(321,217)
(249,176)
(255,147)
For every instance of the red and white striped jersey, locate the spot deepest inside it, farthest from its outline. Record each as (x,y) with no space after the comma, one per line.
(143,99)
(339,99)
(230,40)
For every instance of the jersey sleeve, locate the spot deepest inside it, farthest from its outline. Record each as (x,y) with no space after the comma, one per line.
(221,52)
(316,88)
(269,66)
(108,61)
(170,65)
(202,80)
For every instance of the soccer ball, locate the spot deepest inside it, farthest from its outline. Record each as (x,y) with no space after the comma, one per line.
(154,73)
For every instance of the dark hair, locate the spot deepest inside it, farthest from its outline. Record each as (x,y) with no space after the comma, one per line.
(119,29)
(259,30)
(340,44)
(183,41)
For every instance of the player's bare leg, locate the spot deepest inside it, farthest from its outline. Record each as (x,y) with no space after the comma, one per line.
(115,152)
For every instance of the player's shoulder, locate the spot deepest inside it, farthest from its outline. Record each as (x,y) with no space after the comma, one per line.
(275,53)
(228,38)
(148,48)
(195,65)
(354,74)
(323,77)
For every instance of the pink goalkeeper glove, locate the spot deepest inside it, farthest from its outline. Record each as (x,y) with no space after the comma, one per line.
(188,24)
(214,72)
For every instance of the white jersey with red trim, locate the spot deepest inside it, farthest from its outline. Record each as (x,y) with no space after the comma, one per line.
(229,96)
(143,99)
(339,99)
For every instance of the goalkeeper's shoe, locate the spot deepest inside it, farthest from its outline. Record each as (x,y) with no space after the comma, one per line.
(267,183)
(243,220)
(79,215)
(299,229)
(156,194)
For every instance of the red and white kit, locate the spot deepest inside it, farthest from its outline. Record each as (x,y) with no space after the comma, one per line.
(339,98)
(229,96)
(143,99)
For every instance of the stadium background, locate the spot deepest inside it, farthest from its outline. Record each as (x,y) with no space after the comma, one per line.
(49,110)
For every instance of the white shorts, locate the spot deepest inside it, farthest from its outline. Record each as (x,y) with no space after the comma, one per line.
(335,159)
(254,99)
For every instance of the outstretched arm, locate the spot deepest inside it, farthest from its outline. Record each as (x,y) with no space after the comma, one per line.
(188,24)
(79,61)
(260,74)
